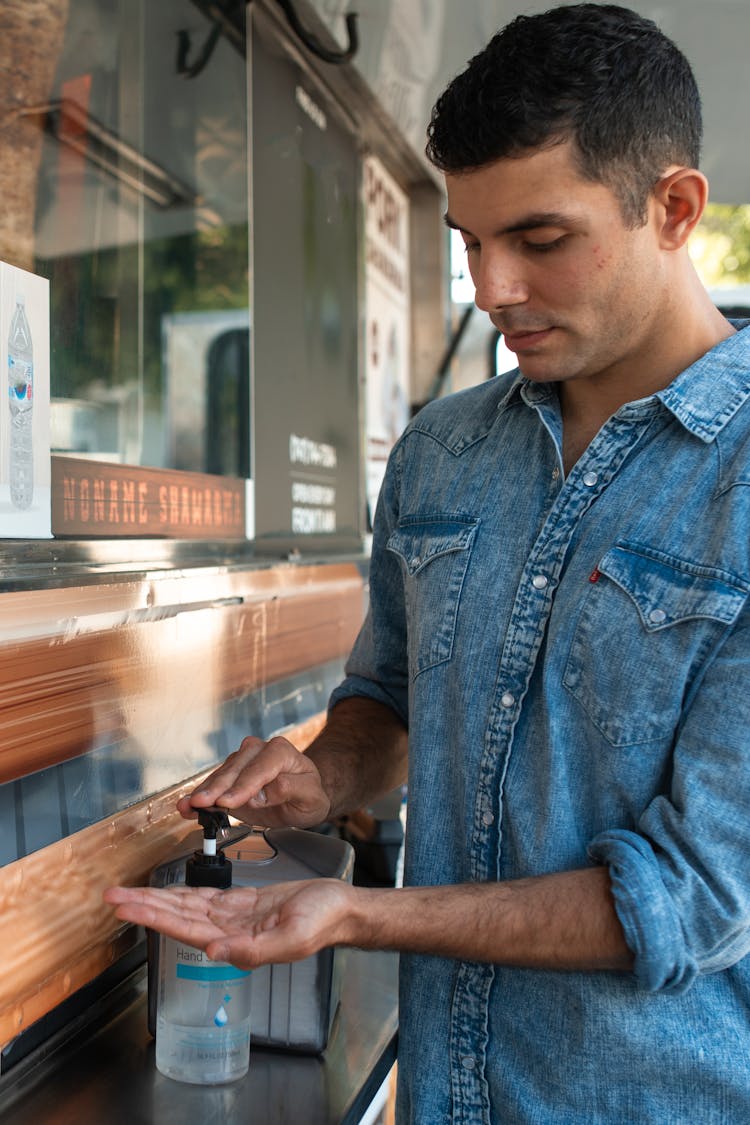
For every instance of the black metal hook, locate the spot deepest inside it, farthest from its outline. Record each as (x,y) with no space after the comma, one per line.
(184,44)
(315,45)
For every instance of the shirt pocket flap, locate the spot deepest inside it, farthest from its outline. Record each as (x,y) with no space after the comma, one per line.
(667,590)
(420,542)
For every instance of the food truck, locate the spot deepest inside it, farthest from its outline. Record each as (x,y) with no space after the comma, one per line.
(225,286)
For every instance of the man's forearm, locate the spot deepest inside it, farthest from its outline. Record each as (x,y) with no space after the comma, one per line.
(553,922)
(565,921)
(361,753)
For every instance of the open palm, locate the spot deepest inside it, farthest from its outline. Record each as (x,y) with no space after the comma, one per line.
(247,926)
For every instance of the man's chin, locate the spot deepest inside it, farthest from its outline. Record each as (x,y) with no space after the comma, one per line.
(537,372)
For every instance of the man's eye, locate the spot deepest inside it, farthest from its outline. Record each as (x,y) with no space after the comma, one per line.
(545,247)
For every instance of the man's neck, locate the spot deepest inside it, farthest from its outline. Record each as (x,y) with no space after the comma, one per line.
(587,403)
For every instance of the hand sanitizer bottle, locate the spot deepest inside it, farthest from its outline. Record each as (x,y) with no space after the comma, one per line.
(203,1007)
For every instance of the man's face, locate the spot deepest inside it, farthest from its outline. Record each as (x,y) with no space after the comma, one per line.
(575,293)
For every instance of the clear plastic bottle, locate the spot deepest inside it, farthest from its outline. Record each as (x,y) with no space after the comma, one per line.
(203,1008)
(20,393)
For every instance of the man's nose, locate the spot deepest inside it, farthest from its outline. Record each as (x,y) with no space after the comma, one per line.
(498,282)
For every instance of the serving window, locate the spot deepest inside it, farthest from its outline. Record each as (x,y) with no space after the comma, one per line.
(140,222)
(129,185)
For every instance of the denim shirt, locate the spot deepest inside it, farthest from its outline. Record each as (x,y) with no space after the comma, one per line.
(572,658)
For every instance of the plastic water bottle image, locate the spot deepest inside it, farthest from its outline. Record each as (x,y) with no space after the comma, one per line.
(20,393)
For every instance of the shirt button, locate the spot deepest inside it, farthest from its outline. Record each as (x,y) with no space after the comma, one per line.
(507,699)
(555,473)
(539,581)
(488,818)
(590,479)
(468,1063)
(657,616)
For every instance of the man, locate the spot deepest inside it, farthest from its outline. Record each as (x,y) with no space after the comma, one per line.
(559,616)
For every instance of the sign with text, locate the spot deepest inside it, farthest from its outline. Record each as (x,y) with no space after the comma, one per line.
(306,320)
(93,498)
(386,209)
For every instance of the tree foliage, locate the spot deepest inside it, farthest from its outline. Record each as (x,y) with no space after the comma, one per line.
(721,245)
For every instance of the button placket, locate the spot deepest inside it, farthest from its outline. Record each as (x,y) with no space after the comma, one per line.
(529,619)
(473,984)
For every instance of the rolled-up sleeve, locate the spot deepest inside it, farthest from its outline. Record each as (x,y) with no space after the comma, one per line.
(681,880)
(647,912)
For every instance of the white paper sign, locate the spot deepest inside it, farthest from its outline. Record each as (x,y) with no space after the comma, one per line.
(25,498)
(388,343)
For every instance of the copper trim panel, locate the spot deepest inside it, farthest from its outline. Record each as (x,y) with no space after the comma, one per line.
(89,666)
(115,691)
(55,932)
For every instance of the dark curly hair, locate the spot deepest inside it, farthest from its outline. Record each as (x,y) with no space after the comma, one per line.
(598,74)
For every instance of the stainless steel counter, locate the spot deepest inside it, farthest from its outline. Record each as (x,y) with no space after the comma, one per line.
(108,1077)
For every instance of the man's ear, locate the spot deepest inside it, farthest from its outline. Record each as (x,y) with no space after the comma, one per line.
(680,197)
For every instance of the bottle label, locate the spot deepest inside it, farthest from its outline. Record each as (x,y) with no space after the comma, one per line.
(210,973)
(210,985)
(20,379)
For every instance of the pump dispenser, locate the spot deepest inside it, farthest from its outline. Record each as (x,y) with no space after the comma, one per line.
(203,1007)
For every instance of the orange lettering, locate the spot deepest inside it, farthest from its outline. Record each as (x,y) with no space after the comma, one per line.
(128,501)
(114,511)
(142,501)
(98,501)
(85,501)
(69,498)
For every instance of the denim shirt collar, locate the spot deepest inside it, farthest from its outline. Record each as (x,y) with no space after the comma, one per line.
(703,397)
(710,392)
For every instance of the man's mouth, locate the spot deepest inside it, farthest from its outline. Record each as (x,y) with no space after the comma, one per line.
(523,339)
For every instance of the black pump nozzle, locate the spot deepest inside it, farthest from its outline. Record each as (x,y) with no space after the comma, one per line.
(210,868)
(212,821)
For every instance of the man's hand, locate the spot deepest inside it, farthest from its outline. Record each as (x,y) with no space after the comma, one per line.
(247,926)
(564,921)
(265,783)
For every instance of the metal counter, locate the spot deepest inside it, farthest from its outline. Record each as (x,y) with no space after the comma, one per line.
(108,1077)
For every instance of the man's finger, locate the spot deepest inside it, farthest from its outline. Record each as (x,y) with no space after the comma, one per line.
(226,775)
(177,912)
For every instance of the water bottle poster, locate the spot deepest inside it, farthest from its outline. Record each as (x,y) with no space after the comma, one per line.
(25,505)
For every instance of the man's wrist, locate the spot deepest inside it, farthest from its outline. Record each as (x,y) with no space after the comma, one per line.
(364,918)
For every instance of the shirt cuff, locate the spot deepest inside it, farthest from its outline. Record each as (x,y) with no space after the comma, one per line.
(647,912)
(360,686)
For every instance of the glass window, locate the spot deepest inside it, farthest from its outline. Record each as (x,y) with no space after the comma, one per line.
(131,122)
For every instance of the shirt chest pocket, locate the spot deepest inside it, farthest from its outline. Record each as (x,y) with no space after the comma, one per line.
(435,556)
(647,625)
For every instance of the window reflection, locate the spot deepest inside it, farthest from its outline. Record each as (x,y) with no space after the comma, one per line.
(135,206)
